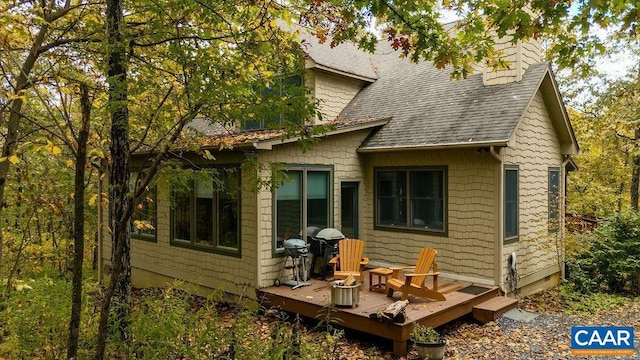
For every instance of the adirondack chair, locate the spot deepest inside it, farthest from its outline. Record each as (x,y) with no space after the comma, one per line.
(349,260)
(414,283)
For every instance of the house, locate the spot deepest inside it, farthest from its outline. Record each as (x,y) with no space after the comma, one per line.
(475,168)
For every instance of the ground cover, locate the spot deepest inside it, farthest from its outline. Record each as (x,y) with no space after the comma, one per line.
(171,323)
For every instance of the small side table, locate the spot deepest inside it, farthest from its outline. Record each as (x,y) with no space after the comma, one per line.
(381,273)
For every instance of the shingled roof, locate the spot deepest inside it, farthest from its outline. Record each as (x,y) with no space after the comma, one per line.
(414,105)
(345,58)
(428,109)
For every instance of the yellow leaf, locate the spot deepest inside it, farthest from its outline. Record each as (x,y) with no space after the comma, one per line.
(93,199)
(52,148)
(14,159)
(70,163)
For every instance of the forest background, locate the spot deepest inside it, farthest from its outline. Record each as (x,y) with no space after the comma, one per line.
(83,84)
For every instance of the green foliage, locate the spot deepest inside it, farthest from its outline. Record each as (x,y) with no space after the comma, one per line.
(577,302)
(170,324)
(165,324)
(601,184)
(611,257)
(424,334)
(326,321)
(35,320)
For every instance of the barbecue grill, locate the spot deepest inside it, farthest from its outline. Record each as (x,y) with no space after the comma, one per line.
(325,245)
(297,250)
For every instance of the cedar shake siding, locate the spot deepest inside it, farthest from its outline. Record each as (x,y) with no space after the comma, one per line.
(535,149)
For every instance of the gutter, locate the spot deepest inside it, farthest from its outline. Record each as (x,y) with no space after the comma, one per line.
(270,143)
(499,248)
(458,145)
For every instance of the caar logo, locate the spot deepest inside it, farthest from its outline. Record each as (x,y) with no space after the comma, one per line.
(602,340)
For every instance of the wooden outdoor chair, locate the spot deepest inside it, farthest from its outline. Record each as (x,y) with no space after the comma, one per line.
(350,260)
(414,283)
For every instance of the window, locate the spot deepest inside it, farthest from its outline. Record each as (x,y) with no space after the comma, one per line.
(275,111)
(144,218)
(412,199)
(554,198)
(205,216)
(510,203)
(302,201)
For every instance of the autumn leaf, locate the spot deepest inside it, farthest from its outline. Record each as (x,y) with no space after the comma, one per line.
(14,159)
(93,199)
(53,149)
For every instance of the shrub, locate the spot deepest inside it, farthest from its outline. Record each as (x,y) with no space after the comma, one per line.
(595,303)
(611,260)
(36,321)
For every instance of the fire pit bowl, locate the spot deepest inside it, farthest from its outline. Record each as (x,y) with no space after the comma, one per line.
(343,295)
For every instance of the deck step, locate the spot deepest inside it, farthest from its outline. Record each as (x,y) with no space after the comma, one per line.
(492,309)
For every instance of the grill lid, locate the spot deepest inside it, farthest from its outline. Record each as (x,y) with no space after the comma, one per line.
(330,234)
(296,247)
(295,244)
(309,231)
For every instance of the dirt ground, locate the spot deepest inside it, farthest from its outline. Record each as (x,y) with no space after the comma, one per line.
(547,336)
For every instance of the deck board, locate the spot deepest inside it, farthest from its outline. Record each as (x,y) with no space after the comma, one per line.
(310,300)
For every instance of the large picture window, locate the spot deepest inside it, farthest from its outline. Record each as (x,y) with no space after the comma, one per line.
(144,218)
(554,198)
(303,200)
(511,223)
(205,216)
(412,198)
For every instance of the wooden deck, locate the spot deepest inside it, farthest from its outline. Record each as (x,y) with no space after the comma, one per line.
(310,300)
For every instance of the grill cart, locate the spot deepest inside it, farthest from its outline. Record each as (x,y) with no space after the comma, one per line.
(297,250)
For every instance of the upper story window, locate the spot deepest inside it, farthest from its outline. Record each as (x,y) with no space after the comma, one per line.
(144,219)
(302,201)
(206,215)
(412,199)
(275,111)
(511,203)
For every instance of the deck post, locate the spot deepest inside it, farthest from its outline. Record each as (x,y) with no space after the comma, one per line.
(400,348)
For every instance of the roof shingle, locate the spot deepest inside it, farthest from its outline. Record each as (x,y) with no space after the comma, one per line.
(345,57)
(427,108)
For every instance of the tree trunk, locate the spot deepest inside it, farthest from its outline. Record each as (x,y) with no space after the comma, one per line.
(121,203)
(78,228)
(635,182)
(15,115)
(635,176)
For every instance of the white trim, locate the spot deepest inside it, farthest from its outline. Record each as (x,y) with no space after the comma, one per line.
(499,240)
(343,73)
(519,70)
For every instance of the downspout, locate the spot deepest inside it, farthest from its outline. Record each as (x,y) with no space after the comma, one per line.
(563,211)
(499,248)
